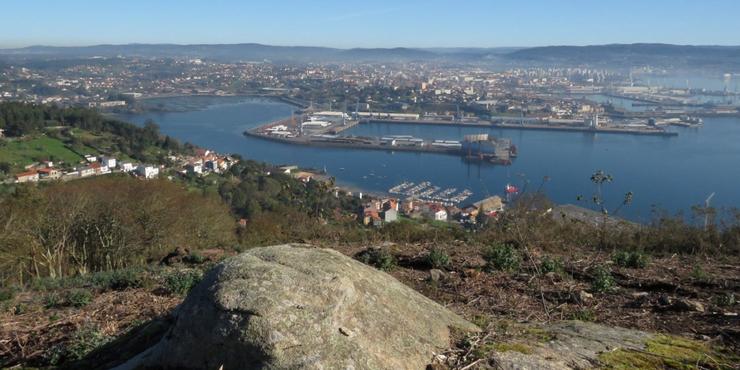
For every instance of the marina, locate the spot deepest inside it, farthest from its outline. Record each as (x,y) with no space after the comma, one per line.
(426,191)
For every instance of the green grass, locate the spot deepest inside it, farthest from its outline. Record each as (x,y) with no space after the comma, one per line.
(22,152)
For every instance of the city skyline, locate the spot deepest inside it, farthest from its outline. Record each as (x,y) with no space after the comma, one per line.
(436,23)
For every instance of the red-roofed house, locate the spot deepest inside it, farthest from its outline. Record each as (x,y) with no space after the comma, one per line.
(30,176)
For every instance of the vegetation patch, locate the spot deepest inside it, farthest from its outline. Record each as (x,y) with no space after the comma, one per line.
(181,282)
(549,264)
(669,352)
(380,258)
(603,281)
(438,258)
(502,257)
(513,347)
(631,259)
(23,152)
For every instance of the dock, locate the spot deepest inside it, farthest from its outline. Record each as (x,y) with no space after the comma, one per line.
(324,129)
(529,126)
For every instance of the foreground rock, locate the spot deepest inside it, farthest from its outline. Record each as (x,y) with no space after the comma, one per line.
(296,307)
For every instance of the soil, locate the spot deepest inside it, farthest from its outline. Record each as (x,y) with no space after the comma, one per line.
(667,297)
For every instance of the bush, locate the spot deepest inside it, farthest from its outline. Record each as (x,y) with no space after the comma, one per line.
(181,282)
(603,280)
(501,257)
(698,274)
(6,294)
(378,258)
(725,300)
(438,258)
(551,265)
(631,259)
(78,298)
(194,258)
(118,279)
(53,300)
(84,341)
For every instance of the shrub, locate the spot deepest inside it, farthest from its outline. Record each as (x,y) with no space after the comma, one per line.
(725,299)
(379,258)
(78,298)
(118,279)
(52,300)
(501,257)
(698,274)
(84,341)
(194,258)
(631,259)
(603,280)
(551,265)
(438,258)
(6,294)
(181,282)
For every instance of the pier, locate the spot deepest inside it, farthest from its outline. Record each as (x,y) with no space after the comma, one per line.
(531,125)
(323,130)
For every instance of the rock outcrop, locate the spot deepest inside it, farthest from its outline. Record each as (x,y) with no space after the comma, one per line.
(297,307)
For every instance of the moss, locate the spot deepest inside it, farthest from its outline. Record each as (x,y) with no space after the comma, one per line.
(663,351)
(628,359)
(540,334)
(481,321)
(484,350)
(513,347)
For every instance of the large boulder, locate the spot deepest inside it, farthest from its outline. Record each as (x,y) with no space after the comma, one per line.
(297,307)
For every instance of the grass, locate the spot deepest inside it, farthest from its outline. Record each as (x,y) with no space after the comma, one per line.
(20,153)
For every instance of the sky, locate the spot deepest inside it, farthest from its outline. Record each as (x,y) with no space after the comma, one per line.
(369,23)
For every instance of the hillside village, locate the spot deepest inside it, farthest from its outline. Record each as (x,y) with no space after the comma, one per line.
(202,162)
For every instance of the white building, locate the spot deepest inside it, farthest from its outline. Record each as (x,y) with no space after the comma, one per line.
(108,162)
(194,168)
(147,172)
(126,166)
(440,215)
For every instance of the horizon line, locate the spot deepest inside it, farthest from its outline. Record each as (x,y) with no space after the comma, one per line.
(2,47)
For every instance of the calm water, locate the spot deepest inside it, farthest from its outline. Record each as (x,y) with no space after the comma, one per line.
(672,173)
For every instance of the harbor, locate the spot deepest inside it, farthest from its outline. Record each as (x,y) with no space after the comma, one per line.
(325,129)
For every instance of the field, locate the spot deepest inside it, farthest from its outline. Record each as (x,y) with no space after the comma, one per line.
(22,152)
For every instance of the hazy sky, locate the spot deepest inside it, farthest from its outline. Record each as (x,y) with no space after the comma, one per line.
(370,23)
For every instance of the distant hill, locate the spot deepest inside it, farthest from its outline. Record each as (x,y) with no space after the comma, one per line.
(664,55)
(223,52)
(614,55)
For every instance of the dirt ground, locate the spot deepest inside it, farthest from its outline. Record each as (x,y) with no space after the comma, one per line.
(674,295)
